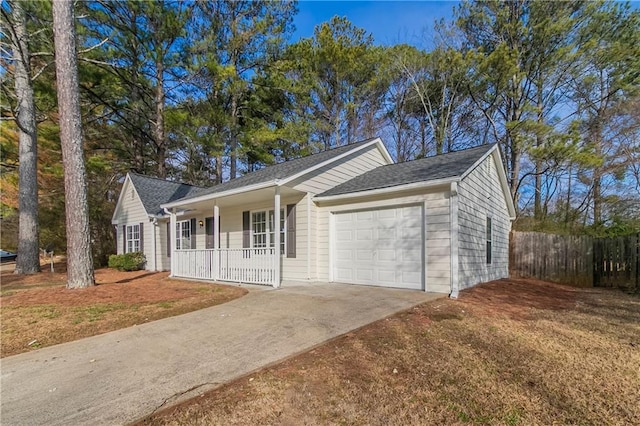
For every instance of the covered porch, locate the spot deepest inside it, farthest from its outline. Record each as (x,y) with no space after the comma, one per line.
(233,237)
(251,266)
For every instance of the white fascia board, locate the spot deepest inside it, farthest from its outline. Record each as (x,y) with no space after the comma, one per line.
(504,183)
(127,179)
(501,175)
(333,159)
(385,153)
(216,195)
(388,190)
(125,185)
(477,163)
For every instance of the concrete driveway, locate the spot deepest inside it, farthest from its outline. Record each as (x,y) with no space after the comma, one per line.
(118,377)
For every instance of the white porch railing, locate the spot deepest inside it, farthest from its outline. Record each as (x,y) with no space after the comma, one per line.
(254,266)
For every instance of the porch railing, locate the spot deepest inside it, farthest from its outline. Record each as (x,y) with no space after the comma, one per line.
(254,266)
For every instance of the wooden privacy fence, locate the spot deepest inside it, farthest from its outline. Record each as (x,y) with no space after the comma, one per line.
(577,260)
(616,262)
(558,258)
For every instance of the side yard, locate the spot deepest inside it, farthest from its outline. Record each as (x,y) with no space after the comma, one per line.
(39,311)
(507,352)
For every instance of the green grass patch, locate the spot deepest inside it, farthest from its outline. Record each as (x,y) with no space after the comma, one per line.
(96,312)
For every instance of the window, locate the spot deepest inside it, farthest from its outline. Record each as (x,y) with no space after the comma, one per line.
(183,235)
(133,238)
(282,230)
(259,228)
(489,240)
(263,231)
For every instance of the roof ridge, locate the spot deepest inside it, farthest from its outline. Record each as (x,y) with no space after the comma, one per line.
(164,180)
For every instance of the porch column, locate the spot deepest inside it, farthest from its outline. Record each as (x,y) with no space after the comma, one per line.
(172,240)
(216,241)
(276,235)
(216,226)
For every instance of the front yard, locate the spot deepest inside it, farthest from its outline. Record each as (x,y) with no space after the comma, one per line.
(507,352)
(39,311)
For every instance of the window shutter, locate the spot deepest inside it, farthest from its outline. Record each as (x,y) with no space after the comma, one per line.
(124,238)
(142,237)
(193,233)
(168,239)
(291,230)
(208,228)
(246,230)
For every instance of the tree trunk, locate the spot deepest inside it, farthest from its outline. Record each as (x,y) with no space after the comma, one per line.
(79,260)
(161,147)
(233,142)
(28,261)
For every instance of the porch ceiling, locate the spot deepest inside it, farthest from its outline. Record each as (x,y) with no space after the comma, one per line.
(245,199)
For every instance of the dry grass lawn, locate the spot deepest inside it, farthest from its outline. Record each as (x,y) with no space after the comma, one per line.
(510,352)
(38,310)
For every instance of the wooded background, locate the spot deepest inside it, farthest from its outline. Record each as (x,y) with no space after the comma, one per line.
(203,92)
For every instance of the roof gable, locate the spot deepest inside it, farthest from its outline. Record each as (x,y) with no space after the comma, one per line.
(286,171)
(449,166)
(153,192)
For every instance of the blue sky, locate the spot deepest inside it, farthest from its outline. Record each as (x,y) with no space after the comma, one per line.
(390,22)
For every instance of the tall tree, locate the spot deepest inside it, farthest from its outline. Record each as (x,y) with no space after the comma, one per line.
(236,42)
(79,259)
(334,72)
(607,81)
(142,46)
(28,261)
(496,36)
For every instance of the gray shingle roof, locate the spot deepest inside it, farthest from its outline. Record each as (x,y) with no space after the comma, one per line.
(450,165)
(153,191)
(280,171)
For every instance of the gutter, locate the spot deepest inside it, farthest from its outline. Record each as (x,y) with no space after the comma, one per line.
(221,194)
(387,190)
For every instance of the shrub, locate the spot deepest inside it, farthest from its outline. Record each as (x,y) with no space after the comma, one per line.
(128,261)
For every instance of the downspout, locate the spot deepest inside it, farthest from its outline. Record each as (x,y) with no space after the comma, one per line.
(455,266)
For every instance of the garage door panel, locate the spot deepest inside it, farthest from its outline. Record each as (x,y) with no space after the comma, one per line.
(344,217)
(385,247)
(364,275)
(410,255)
(364,235)
(365,255)
(387,255)
(344,274)
(387,235)
(344,235)
(364,215)
(387,213)
(344,254)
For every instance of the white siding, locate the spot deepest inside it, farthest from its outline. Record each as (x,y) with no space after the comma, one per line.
(438,234)
(341,171)
(131,212)
(481,196)
(162,257)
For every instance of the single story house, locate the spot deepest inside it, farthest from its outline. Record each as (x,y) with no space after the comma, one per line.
(347,215)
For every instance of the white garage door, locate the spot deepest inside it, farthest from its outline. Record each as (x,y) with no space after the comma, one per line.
(381,247)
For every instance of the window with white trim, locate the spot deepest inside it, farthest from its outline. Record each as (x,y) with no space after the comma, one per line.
(282,230)
(133,238)
(489,236)
(263,231)
(259,229)
(183,235)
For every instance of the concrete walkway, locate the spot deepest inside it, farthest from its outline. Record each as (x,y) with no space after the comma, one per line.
(118,377)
